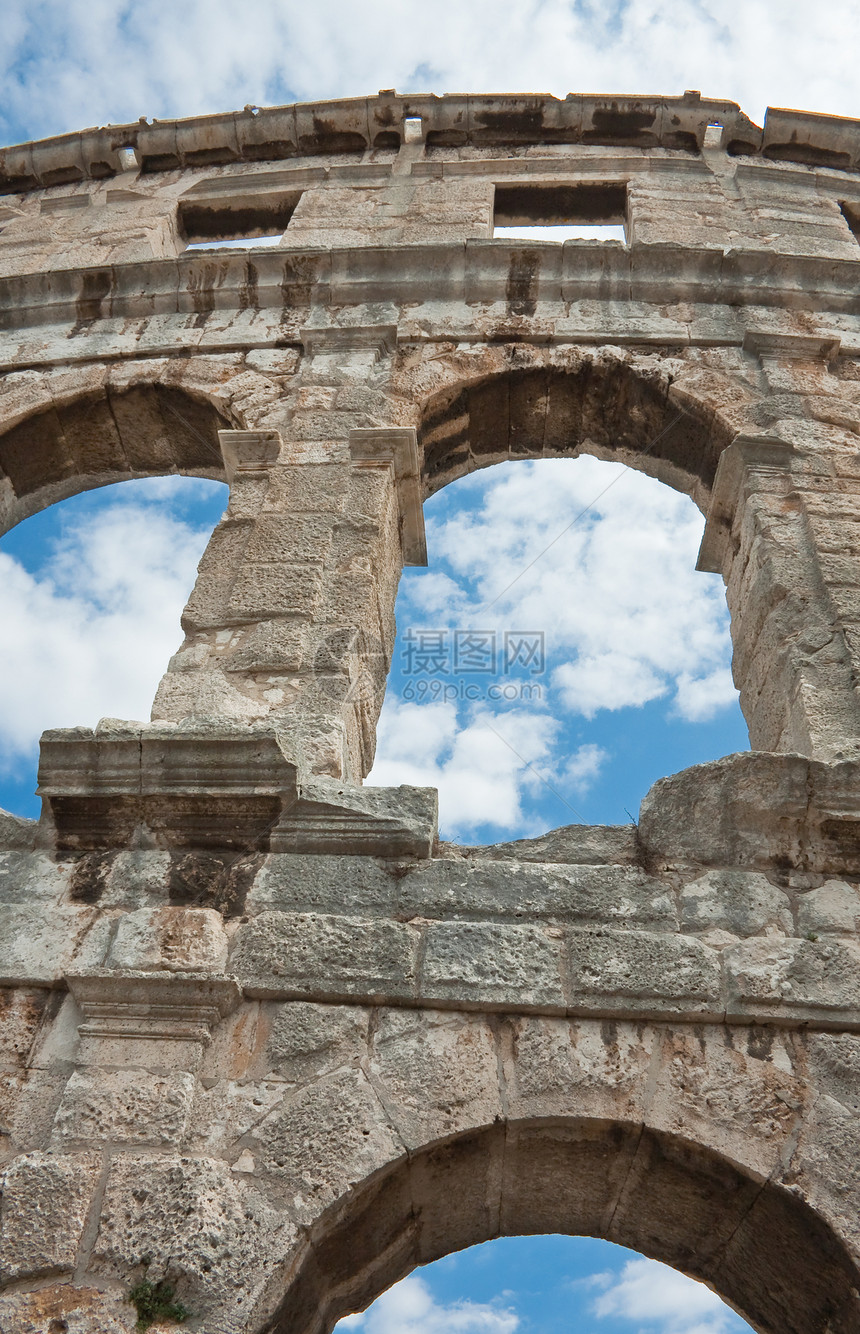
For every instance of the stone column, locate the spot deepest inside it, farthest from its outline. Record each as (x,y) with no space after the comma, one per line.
(794,613)
(291,622)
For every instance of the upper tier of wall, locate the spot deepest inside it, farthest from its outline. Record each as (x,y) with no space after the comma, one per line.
(455,120)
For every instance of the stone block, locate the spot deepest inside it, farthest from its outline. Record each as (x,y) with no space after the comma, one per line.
(515,891)
(680,1199)
(227,1109)
(207,606)
(21,1013)
(175,939)
(304,1041)
(44,1205)
(834,1066)
(130,880)
(438,1074)
(63,1309)
(743,903)
(755,810)
(321,1141)
(742,1091)
(833,908)
(269,645)
(295,955)
(28,1102)
(218,1261)
(227,548)
(577,844)
(564,1177)
(497,966)
(262,591)
(639,971)
(38,943)
(318,882)
(234,1051)
(288,539)
(809,979)
(308,488)
(562,1068)
(476,1164)
(332,817)
(123,1107)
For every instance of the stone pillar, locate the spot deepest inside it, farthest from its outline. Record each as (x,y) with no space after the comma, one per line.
(794,614)
(291,622)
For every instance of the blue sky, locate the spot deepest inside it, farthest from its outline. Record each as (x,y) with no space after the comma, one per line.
(546,1285)
(633,681)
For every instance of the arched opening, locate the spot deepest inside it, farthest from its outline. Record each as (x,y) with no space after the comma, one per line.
(555,1284)
(91,594)
(597,405)
(559,654)
(759,1245)
(616,415)
(106,436)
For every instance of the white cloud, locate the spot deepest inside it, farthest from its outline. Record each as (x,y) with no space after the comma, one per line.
(89,634)
(583,766)
(74,63)
(701,697)
(409,1308)
(627,618)
(667,1301)
(479,762)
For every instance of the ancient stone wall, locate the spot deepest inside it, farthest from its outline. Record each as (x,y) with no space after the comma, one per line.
(265,1037)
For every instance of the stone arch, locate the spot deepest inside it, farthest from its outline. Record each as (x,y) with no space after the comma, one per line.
(653,412)
(62,433)
(760,1246)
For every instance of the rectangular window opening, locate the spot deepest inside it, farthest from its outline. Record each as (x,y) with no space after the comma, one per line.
(204,224)
(851,214)
(588,211)
(235,242)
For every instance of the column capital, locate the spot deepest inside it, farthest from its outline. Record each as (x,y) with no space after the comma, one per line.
(397,447)
(745,455)
(248,452)
(378,339)
(146,1018)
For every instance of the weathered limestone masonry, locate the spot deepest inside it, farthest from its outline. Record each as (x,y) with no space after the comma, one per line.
(263,1036)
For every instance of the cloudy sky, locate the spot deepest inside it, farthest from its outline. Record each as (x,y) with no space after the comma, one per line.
(87,62)
(631,678)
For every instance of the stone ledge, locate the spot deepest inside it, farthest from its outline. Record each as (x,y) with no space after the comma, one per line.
(596,973)
(756,810)
(359,124)
(135,785)
(664,274)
